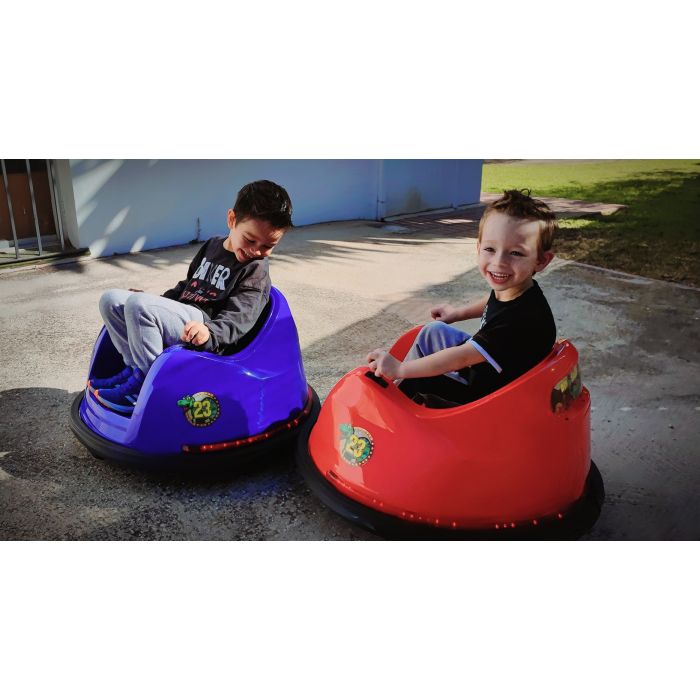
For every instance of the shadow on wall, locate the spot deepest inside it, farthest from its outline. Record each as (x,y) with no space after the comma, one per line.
(108,223)
(131,205)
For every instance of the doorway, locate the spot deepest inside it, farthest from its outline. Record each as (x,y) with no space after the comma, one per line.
(30,221)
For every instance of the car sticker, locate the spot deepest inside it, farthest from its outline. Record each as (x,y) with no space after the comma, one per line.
(356,444)
(200,409)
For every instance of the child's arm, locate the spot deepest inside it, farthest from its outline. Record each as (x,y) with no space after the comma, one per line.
(449,314)
(241,309)
(448,360)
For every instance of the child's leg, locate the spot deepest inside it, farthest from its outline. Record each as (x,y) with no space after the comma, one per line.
(154,323)
(112,310)
(445,390)
(436,336)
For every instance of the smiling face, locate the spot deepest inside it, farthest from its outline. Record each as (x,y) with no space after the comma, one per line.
(508,254)
(251,239)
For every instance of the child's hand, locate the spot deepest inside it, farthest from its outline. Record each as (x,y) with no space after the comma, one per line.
(384,365)
(444,313)
(195,333)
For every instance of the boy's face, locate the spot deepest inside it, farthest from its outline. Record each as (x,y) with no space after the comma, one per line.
(251,239)
(508,254)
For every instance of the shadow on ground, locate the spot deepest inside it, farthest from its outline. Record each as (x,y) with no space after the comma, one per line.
(319,242)
(52,488)
(639,345)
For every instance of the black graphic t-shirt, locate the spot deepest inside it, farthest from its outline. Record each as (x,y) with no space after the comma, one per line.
(513,337)
(230,294)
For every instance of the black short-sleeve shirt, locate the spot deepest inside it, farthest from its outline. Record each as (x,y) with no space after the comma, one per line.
(513,337)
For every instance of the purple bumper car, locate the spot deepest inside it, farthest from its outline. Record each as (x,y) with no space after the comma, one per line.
(198,407)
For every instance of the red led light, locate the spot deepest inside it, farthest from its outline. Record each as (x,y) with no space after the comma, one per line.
(427,519)
(232,444)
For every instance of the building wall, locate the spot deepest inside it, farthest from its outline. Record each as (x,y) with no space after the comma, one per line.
(121,206)
(418,185)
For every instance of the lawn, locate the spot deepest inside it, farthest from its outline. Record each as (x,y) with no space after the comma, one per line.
(657,236)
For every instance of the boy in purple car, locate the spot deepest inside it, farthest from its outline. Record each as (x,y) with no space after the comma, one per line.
(226,290)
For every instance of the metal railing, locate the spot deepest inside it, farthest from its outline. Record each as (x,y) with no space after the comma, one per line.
(53,194)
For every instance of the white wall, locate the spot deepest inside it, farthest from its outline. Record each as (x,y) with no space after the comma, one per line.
(418,185)
(130,205)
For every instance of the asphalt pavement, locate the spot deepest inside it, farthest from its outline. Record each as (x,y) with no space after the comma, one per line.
(351,286)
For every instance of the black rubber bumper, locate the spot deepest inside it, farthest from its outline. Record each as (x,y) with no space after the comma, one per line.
(575,521)
(113,452)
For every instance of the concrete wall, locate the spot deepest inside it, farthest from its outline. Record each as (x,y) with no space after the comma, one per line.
(122,206)
(418,185)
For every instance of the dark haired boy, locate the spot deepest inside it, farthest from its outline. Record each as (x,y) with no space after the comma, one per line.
(517,328)
(226,290)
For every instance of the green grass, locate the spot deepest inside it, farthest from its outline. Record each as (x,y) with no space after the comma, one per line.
(657,236)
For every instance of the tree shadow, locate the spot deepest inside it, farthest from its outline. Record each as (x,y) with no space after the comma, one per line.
(329,242)
(663,204)
(658,235)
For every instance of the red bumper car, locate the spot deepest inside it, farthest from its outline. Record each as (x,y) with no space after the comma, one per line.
(514,464)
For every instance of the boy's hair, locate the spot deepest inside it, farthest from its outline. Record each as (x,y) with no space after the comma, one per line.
(264,200)
(520,205)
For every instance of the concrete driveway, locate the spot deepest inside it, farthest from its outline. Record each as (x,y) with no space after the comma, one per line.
(352,287)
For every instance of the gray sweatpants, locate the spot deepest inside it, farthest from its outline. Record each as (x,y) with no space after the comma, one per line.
(141,325)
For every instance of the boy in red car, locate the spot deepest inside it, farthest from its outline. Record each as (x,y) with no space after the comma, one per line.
(517,329)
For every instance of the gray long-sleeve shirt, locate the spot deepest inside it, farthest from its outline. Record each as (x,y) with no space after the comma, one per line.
(230,294)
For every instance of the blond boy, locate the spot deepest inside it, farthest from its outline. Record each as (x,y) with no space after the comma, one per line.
(517,328)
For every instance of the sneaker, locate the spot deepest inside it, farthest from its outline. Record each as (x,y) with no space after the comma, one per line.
(110,382)
(122,398)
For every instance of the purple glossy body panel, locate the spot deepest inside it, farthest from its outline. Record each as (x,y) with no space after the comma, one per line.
(257,387)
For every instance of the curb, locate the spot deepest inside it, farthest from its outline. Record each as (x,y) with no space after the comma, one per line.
(629,275)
